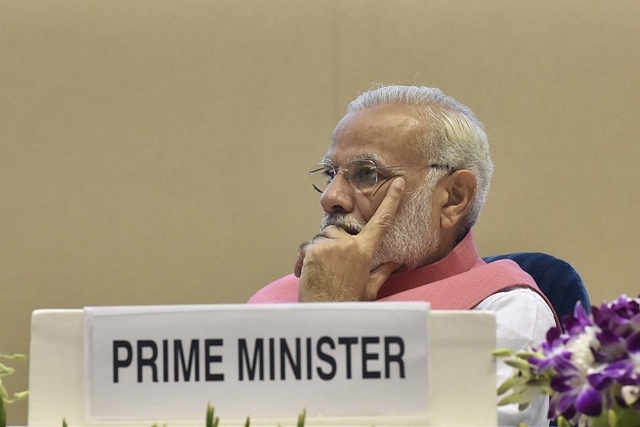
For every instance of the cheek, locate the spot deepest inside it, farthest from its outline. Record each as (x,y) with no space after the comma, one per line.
(366,208)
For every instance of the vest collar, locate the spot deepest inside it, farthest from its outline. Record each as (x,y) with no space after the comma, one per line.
(462,258)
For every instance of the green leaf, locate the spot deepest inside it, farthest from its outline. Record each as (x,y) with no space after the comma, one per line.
(520,364)
(508,384)
(512,398)
(209,418)
(528,354)
(3,414)
(20,395)
(15,356)
(3,392)
(5,370)
(502,352)
(302,417)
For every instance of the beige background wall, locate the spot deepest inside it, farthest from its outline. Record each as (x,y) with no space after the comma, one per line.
(154,152)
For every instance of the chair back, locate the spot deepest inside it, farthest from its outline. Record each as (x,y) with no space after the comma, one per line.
(556,278)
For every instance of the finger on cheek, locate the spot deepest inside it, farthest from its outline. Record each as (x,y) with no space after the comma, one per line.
(383,217)
(397,186)
(391,201)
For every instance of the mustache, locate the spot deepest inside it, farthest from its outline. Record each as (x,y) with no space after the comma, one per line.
(343,221)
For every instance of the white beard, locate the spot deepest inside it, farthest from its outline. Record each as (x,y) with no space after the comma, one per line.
(410,240)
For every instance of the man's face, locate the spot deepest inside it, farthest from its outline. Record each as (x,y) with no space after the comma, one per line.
(388,135)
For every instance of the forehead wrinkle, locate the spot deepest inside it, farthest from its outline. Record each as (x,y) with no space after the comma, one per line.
(397,127)
(388,130)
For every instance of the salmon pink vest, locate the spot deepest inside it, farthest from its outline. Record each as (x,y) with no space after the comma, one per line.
(459,281)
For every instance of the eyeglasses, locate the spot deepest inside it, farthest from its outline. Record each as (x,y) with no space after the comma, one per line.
(363,175)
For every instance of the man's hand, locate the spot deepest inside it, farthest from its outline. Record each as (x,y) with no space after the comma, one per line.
(336,266)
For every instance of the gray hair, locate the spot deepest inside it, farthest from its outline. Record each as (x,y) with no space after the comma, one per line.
(453,134)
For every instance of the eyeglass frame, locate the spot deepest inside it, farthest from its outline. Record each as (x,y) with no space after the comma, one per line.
(325,167)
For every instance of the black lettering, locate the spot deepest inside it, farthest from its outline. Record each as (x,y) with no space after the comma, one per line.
(348,342)
(309,359)
(272,359)
(397,357)
(147,361)
(257,361)
(209,359)
(117,361)
(366,356)
(285,354)
(179,362)
(326,358)
(165,360)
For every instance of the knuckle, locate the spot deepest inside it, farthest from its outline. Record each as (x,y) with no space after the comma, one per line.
(303,246)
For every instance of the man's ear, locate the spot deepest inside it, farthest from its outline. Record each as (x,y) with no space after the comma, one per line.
(460,187)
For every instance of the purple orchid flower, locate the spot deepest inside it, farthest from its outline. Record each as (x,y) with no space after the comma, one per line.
(594,365)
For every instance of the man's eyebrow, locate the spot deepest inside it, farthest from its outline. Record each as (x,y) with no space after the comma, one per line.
(366,157)
(360,158)
(326,161)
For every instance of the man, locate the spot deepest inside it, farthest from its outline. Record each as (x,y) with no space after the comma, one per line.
(402,183)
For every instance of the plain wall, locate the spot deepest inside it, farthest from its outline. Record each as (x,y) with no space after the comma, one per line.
(154,152)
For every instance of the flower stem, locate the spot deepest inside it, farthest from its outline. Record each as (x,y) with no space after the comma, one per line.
(3,414)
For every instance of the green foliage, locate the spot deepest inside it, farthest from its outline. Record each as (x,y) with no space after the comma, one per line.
(301,418)
(4,395)
(210,420)
(526,384)
(213,421)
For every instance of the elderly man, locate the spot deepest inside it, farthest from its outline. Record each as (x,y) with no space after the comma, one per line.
(402,183)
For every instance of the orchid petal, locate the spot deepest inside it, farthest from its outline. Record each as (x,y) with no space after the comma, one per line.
(589,402)
(565,402)
(599,381)
(633,343)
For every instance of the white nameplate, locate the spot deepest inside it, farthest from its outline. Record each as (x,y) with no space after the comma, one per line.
(267,361)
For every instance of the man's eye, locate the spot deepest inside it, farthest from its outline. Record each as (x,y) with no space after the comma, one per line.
(366,175)
(329,174)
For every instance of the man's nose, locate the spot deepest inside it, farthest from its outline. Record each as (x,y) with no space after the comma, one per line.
(338,196)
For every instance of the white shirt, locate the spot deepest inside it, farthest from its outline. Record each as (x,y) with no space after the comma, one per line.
(522,320)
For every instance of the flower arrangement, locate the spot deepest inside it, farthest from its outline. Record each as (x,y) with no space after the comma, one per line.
(590,370)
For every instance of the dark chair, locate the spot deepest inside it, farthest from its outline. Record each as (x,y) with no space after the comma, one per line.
(556,278)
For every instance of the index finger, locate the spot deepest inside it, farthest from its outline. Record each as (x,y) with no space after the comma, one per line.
(383,218)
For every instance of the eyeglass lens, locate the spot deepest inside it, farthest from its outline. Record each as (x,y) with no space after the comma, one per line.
(361,175)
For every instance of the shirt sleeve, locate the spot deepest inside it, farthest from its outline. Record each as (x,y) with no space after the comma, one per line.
(522,320)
